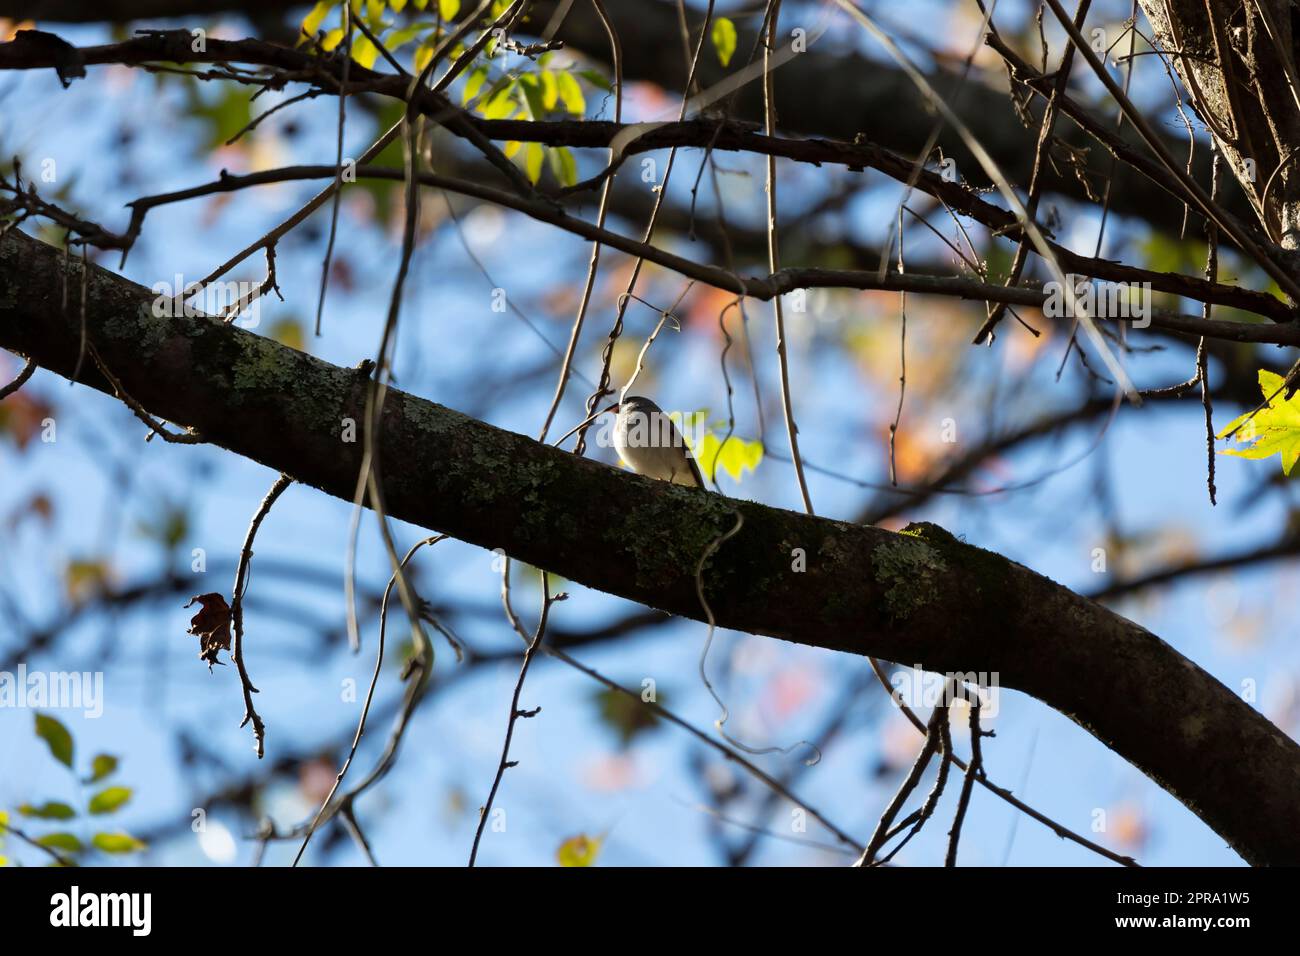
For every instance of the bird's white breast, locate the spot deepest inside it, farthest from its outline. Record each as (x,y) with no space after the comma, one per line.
(653,447)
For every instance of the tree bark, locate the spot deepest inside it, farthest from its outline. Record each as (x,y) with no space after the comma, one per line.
(1238,64)
(919,597)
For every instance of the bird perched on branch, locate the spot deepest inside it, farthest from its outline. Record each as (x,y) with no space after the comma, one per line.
(650,443)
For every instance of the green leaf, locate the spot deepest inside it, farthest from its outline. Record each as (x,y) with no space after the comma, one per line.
(56,737)
(169,528)
(49,810)
(532,88)
(723,37)
(534,156)
(117,843)
(101,767)
(398,6)
(61,841)
(579,851)
(596,79)
(1273,429)
(448,9)
(571,94)
(626,715)
(563,165)
(227,114)
(109,799)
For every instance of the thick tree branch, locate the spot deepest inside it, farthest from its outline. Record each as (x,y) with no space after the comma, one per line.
(921,597)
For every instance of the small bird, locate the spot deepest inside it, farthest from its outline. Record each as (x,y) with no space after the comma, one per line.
(650,443)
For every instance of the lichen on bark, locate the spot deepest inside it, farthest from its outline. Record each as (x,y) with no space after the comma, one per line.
(909,568)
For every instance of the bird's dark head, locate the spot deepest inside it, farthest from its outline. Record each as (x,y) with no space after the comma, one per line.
(633,404)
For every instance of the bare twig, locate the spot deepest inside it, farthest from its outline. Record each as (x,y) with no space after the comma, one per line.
(739,759)
(188,437)
(932,743)
(515,712)
(616,54)
(327,807)
(973,770)
(237,611)
(774,257)
(338,161)
(1036,175)
(661,190)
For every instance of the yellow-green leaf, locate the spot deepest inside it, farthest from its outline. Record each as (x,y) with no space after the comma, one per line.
(312,21)
(501,104)
(399,38)
(511,147)
(117,843)
(101,767)
(735,455)
(1273,429)
(288,332)
(550,89)
(723,37)
(580,850)
(534,156)
(56,737)
(109,799)
(331,39)
(448,9)
(84,578)
(714,449)
(49,810)
(61,841)
(571,93)
(423,54)
(473,83)
(363,51)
